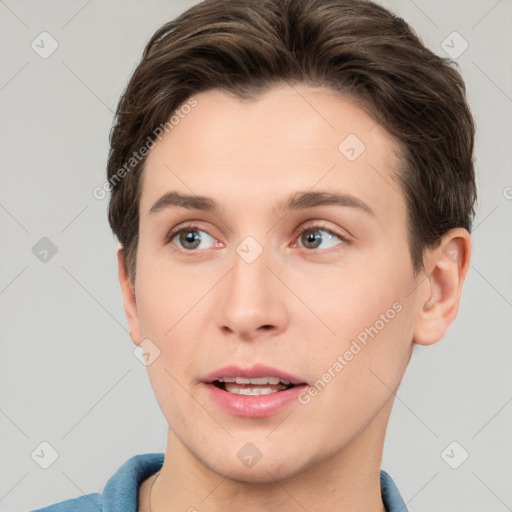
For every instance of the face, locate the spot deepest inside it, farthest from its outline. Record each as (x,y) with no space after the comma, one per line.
(322,290)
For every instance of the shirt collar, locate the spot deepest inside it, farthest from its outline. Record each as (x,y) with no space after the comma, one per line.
(121,491)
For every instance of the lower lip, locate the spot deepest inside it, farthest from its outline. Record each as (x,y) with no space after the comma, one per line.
(254,406)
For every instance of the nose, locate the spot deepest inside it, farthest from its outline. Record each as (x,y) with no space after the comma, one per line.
(252,301)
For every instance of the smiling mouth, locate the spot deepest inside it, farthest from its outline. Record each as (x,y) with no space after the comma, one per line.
(251,387)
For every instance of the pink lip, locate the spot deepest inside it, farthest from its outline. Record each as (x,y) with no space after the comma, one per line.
(255,406)
(258,370)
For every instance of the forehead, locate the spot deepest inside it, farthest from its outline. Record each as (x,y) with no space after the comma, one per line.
(245,152)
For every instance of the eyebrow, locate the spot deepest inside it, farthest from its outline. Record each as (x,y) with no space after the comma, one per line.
(297,201)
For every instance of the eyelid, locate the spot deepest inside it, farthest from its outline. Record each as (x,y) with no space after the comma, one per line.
(188,226)
(324,226)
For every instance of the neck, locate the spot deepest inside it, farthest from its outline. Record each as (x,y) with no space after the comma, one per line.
(347,480)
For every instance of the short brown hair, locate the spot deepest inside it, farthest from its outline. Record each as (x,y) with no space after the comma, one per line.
(355,47)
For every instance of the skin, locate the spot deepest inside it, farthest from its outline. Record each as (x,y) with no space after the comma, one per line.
(206,308)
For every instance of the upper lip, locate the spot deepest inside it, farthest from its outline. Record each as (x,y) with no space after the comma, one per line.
(258,370)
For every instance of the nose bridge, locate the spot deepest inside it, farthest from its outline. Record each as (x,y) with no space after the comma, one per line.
(250,264)
(251,297)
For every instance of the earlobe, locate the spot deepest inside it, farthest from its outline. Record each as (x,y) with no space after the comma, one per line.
(448,264)
(129,301)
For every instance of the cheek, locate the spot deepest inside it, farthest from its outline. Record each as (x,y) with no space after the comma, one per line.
(165,296)
(171,372)
(358,371)
(168,308)
(367,330)
(346,300)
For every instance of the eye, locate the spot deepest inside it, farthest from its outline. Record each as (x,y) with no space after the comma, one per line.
(189,237)
(311,237)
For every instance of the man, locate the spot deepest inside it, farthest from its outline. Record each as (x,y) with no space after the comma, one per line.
(293,190)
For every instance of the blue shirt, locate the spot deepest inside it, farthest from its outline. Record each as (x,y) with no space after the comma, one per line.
(122,489)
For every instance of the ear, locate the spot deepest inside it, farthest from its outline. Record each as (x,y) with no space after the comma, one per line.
(449,265)
(129,301)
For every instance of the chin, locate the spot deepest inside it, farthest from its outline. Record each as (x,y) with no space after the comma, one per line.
(265,474)
(266,470)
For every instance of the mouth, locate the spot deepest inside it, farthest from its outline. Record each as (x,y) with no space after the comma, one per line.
(252,387)
(256,392)
(257,380)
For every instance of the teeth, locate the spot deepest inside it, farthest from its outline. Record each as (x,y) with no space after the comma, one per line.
(256,381)
(250,391)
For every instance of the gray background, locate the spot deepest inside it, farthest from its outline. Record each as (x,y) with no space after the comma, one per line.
(68,375)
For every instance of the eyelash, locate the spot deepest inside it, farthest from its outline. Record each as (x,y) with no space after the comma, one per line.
(296,234)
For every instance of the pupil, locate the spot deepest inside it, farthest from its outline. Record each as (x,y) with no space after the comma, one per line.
(190,238)
(313,237)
